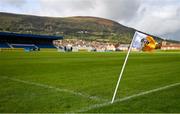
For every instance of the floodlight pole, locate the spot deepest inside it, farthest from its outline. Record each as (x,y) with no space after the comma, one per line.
(122,70)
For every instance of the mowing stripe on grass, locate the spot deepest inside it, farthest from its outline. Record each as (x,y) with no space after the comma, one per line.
(56,89)
(128,98)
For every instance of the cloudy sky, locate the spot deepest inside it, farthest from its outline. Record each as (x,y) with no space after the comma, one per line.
(157,17)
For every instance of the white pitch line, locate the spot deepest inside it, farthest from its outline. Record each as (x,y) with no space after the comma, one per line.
(127,98)
(56,89)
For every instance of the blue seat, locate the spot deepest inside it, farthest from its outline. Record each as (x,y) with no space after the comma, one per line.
(31,46)
(4,45)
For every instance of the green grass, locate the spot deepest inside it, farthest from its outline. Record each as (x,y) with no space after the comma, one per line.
(163,101)
(93,74)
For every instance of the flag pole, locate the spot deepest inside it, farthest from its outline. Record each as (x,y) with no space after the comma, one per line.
(122,70)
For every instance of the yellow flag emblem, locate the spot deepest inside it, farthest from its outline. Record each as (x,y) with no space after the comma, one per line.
(149,44)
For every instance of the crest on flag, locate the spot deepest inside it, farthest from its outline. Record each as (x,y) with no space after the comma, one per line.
(143,42)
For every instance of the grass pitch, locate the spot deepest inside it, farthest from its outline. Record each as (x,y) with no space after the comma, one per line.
(72,82)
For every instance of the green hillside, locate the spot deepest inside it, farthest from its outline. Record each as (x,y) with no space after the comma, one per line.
(92,28)
(88,28)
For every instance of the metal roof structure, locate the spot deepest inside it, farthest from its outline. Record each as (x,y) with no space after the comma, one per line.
(9,34)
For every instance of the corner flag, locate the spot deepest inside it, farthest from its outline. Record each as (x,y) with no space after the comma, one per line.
(142,42)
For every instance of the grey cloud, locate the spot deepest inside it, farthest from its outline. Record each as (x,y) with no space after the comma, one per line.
(66,7)
(82,4)
(174,35)
(160,20)
(15,3)
(113,9)
(121,9)
(178,12)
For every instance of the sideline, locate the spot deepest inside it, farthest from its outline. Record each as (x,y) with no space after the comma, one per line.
(129,97)
(56,89)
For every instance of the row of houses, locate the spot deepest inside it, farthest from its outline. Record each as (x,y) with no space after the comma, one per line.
(77,45)
(170,46)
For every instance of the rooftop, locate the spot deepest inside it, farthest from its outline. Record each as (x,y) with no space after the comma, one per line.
(30,35)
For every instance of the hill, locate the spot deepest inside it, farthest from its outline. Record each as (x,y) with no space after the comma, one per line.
(88,28)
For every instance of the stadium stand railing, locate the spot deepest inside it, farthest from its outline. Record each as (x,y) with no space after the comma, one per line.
(24,46)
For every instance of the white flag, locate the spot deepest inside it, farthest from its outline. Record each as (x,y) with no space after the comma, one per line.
(138,40)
